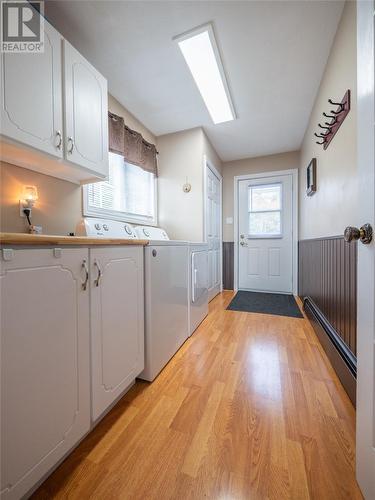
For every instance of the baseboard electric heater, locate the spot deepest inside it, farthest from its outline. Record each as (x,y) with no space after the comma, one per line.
(342,359)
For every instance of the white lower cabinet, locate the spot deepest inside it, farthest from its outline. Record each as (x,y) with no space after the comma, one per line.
(45,346)
(117,322)
(49,298)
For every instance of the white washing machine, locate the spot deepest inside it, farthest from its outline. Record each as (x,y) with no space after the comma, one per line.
(97,228)
(198,284)
(166,298)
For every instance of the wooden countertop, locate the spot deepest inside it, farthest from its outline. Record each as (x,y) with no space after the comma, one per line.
(46,239)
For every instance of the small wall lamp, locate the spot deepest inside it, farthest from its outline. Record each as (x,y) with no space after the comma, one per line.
(29,196)
(27,201)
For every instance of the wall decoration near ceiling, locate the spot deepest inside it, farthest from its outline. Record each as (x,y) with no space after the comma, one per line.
(311,178)
(335,118)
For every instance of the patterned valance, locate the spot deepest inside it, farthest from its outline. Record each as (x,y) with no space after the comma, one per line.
(131,145)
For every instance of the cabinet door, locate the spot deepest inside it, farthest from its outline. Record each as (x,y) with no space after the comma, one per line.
(45,385)
(86,113)
(117,317)
(31,96)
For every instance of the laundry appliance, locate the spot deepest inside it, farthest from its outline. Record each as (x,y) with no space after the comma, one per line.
(166,298)
(198,284)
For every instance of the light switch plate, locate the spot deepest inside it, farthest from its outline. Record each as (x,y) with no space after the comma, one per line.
(229,220)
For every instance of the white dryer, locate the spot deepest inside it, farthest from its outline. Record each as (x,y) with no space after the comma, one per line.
(198,284)
(166,298)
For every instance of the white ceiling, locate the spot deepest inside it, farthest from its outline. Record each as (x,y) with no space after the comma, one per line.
(274,53)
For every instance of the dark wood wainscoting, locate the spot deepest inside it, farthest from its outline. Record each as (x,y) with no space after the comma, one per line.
(228,265)
(328,287)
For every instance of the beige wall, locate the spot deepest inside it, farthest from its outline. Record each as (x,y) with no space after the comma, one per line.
(283,161)
(334,205)
(59,206)
(180,159)
(211,154)
(57,210)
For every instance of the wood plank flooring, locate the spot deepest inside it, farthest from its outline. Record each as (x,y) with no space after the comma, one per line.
(249,408)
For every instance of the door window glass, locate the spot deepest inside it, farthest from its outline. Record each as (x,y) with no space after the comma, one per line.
(265,206)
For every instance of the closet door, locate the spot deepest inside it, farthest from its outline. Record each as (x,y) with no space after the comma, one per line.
(212,231)
(31,96)
(86,110)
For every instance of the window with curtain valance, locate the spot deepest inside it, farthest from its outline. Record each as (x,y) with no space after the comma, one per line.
(130,192)
(131,145)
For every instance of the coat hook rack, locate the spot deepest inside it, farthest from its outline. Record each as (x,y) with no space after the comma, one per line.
(336,117)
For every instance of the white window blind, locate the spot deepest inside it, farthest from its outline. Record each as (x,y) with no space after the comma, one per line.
(129,194)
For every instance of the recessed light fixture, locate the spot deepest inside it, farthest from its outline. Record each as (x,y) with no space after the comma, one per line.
(201,54)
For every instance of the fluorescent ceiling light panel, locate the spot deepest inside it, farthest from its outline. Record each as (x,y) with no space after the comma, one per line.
(201,54)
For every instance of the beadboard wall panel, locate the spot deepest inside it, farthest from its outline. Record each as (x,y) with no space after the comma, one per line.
(328,276)
(228,265)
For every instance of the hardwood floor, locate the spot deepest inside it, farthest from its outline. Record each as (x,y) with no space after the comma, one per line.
(249,408)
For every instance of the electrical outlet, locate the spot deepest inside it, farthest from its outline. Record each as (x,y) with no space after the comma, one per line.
(22,208)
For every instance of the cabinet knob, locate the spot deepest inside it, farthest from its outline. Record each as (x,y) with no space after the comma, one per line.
(70,145)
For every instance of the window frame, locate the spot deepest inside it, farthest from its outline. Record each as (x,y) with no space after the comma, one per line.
(89,211)
(279,235)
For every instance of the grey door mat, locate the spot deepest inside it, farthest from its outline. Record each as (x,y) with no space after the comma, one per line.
(265,303)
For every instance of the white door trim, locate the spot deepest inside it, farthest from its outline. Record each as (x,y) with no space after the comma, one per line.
(207,164)
(276,173)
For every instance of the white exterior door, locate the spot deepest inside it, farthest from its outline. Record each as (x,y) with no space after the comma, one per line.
(86,119)
(117,317)
(213,231)
(45,356)
(365,456)
(265,227)
(31,96)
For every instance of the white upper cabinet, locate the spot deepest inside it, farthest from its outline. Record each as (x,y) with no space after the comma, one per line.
(31,96)
(45,362)
(86,113)
(117,322)
(54,112)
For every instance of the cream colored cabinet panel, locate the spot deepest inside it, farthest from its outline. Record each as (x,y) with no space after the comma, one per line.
(117,322)
(31,96)
(45,386)
(86,109)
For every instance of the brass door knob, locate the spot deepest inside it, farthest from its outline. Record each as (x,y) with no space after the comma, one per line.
(363,234)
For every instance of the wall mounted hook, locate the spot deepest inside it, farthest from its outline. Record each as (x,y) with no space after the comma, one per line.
(326,128)
(333,117)
(339,104)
